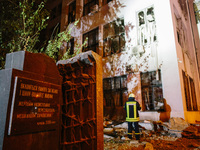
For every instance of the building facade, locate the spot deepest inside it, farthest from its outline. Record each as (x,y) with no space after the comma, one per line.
(149,48)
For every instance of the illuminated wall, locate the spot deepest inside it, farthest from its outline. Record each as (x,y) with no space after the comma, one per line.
(148,42)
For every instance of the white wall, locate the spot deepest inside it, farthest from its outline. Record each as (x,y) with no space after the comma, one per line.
(168,53)
(166,50)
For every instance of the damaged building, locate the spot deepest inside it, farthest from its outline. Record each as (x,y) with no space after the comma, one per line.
(148,47)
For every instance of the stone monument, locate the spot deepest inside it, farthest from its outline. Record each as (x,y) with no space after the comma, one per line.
(30,95)
(82,104)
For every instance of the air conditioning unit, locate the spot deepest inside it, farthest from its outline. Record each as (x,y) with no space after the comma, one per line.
(94,9)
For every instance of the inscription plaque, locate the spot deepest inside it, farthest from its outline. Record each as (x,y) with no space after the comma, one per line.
(34,106)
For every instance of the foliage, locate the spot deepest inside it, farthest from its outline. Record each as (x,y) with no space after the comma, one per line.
(7,27)
(67,54)
(32,22)
(21,24)
(55,44)
(22,28)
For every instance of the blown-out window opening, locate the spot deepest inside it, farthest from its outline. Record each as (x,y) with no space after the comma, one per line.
(92,40)
(152,93)
(115,90)
(88,6)
(190,94)
(114,37)
(146,26)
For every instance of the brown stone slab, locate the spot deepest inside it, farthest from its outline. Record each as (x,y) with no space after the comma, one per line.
(34,106)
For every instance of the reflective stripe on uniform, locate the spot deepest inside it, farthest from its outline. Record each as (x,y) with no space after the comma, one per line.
(127,107)
(137,133)
(130,133)
(135,118)
(132,119)
(134,106)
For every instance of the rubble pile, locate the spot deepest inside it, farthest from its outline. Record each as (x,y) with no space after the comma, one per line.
(191,132)
(175,134)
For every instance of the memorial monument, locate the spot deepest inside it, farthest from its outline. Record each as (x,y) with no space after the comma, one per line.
(82,105)
(30,96)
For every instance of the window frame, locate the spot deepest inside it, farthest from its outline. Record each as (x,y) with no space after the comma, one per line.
(87,6)
(91,45)
(142,28)
(113,90)
(70,46)
(193,94)
(190,93)
(150,86)
(118,36)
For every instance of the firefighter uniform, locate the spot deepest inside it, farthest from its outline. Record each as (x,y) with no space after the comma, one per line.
(132,116)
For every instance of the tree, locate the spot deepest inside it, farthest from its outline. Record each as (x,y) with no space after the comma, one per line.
(8,11)
(21,24)
(55,44)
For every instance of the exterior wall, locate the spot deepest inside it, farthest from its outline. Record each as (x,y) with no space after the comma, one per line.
(187,56)
(196,47)
(195,32)
(165,53)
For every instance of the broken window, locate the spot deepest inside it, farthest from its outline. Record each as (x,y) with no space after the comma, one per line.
(187,92)
(146,26)
(92,40)
(190,94)
(88,6)
(115,90)
(72,12)
(193,94)
(70,46)
(114,37)
(152,94)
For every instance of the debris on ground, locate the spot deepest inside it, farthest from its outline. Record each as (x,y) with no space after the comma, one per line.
(175,134)
(191,132)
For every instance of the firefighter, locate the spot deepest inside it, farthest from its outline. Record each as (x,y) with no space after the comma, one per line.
(132,116)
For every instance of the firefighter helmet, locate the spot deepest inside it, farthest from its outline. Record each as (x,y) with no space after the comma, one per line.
(131,95)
